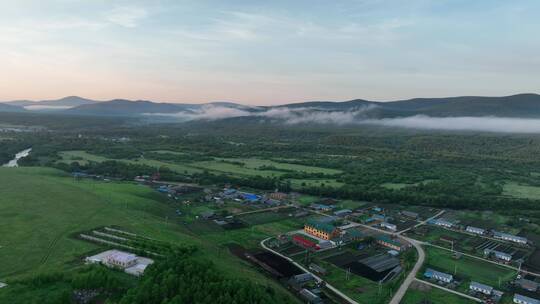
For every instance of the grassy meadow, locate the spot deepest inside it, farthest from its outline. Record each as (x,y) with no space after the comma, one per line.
(42,209)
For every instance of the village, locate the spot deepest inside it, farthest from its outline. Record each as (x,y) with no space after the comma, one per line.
(336,243)
(334,251)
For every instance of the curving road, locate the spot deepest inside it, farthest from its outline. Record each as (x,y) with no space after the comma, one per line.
(412,274)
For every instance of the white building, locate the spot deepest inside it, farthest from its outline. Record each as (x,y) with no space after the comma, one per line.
(498,254)
(389,226)
(444,223)
(525,300)
(475,230)
(121,259)
(439,276)
(2,285)
(510,237)
(129,262)
(485,289)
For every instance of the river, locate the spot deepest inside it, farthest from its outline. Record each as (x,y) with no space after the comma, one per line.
(13,163)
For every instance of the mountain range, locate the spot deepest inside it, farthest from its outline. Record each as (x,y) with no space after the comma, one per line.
(521,105)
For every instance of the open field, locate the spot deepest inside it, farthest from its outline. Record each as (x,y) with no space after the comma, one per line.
(235,166)
(521,191)
(468,268)
(41,209)
(83,157)
(418,294)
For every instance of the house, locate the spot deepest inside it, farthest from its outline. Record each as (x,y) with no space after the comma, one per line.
(310,297)
(353,235)
(230,193)
(475,230)
(207,215)
(272,202)
(439,276)
(280,196)
(389,226)
(2,285)
(324,231)
(528,285)
(343,212)
(378,217)
(510,237)
(322,207)
(121,259)
(410,214)
(525,300)
(302,278)
(498,254)
(377,209)
(443,223)
(478,287)
(303,241)
(390,243)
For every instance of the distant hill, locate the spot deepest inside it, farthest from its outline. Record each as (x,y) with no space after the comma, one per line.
(10,108)
(521,105)
(123,107)
(54,104)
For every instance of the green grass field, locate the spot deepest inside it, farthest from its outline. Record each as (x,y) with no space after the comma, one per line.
(433,295)
(251,166)
(468,268)
(521,191)
(41,209)
(83,157)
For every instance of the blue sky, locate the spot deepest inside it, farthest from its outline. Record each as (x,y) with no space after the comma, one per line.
(267,52)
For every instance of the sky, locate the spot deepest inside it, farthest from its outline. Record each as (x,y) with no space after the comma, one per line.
(267,52)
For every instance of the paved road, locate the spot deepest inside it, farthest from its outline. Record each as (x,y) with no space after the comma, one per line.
(450,290)
(396,299)
(423,222)
(264,210)
(335,290)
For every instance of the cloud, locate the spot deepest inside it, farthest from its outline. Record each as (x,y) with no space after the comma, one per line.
(126,16)
(359,116)
(206,112)
(483,124)
(285,115)
(310,115)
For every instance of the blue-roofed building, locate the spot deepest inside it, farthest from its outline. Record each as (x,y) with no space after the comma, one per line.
(229,192)
(378,217)
(520,299)
(163,189)
(439,276)
(250,197)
